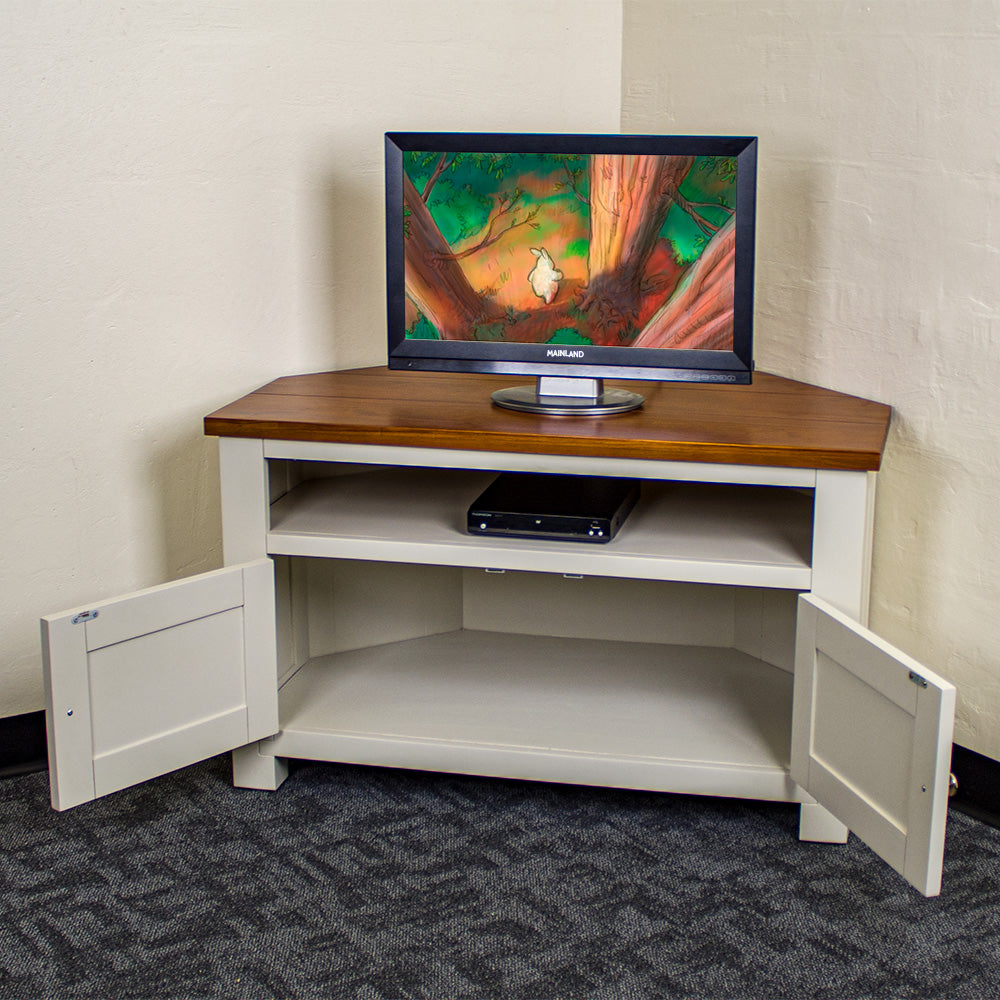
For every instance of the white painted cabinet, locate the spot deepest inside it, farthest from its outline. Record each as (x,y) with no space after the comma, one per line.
(716,646)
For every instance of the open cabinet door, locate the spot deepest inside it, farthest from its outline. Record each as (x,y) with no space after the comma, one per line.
(159,679)
(871,740)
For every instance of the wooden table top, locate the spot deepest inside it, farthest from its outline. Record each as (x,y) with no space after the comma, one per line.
(773,422)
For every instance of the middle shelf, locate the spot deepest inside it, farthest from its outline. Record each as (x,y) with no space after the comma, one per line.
(757,536)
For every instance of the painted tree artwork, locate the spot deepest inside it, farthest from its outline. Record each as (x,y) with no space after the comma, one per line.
(612,250)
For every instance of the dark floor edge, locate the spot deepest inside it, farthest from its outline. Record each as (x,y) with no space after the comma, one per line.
(22,744)
(978,778)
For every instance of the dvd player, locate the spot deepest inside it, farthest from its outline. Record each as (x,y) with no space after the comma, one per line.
(542,505)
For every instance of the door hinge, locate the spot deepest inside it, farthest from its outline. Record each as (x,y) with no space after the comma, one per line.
(918,680)
(83,616)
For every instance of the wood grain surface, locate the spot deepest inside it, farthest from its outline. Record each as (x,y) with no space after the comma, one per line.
(773,422)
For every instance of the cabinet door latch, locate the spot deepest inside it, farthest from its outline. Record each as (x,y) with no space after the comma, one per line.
(84,616)
(918,680)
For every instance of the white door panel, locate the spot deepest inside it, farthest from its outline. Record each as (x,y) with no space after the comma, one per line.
(871,740)
(146,683)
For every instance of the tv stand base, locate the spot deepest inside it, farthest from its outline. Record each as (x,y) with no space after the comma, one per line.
(575,397)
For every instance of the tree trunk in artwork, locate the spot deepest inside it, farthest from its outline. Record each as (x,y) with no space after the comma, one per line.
(629,200)
(699,315)
(434,279)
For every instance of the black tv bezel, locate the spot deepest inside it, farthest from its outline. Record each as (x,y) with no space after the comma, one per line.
(652,364)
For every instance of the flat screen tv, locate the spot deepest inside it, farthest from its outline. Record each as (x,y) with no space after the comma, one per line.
(572,258)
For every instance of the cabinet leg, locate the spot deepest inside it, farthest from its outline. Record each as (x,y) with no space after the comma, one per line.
(252,769)
(815,823)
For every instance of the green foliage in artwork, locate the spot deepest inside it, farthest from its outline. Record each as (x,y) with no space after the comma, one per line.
(575,177)
(487,332)
(710,192)
(568,335)
(723,167)
(578,248)
(687,248)
(422,329)
(467,189)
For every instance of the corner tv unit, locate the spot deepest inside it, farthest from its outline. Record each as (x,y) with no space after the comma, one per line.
(572,258)
(716,646)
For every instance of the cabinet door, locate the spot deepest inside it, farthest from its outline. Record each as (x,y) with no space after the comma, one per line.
(871,740)
(159,679)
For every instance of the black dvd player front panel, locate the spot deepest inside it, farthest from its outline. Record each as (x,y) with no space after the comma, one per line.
(539,505)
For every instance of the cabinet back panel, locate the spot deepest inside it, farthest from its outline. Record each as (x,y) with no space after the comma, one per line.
(599,608)
(765,625)
(354,604)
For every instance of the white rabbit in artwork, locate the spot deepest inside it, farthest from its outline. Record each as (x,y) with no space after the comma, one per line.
(544,276)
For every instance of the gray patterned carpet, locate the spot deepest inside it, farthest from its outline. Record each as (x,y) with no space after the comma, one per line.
(363,883)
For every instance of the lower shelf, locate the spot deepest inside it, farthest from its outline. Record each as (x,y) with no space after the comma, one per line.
(638,715)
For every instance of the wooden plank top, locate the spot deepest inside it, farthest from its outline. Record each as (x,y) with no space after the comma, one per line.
(773,422)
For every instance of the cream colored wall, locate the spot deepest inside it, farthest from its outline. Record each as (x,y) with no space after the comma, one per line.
(878,265)
(191,206)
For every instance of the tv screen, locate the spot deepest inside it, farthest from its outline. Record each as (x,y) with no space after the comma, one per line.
(571,256)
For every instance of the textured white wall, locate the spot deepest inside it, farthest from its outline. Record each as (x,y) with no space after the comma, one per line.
(878,265)
(191,206)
